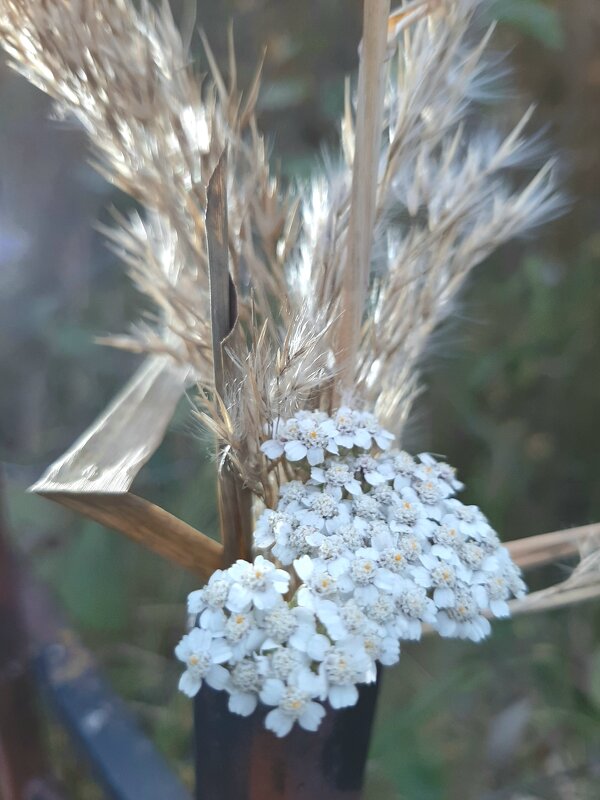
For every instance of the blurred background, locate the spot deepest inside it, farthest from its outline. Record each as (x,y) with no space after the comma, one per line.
(513,402)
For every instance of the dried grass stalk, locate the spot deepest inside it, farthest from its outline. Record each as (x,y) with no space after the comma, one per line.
(234,500)
(582,585)
(369,111)
(549,548)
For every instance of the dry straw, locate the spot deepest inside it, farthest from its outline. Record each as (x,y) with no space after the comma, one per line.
(266,299)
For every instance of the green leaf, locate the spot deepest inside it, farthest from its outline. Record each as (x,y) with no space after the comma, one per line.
(533,18)
(92,583)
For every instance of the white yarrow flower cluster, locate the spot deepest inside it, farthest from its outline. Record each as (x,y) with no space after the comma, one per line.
(375,545)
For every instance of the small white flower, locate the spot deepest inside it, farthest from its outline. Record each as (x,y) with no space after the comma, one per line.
(314,439)
(496,591)
(208,602)
(203,656)
(347,435)
(343,666)
(243,634)
(245,681)
(352,536)
(430,492)
(286,662)
(279,624)
(292,492)
(410,546)
(384,494)
(414,607)
(336,476)
(404,466)
(327,511)
(430,467)
(260,584)
(342,621)
(385,649)
(463,620)
(440,574)
(468,519)
(293,704)
(382,438)
(269,526)
(317,580)
(447,535)
(405,513)
(294,542)
(366,508)
(369,577)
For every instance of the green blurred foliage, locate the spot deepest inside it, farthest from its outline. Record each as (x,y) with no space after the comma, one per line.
(533,18)
(514,388)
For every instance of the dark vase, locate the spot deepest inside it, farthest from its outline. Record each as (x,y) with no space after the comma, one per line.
(238,759)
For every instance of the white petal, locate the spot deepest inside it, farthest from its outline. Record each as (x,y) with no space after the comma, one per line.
(183,650)
(317,646)
(239,598)
(272,449)
(384,440)
(217,677)
(213,620)
(199,640)
(281,580)
(366,595)
(391,656)
(444,598)
(311,717)
(445,625)
(189,684)
(421,577)
(220,651)
(362,439)
(500,608)
(304,567)
(353,487)
(480,595)
(305,598)
(272,691)
(311,683)
(278,722)
(295,451)
(243,703)
(267,599)
(315,455)
(343,696)
(195,602)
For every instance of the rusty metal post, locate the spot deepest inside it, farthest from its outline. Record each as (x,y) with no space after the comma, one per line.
(237,758)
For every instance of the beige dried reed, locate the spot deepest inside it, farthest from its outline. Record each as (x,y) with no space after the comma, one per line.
(338,284)
(375,250)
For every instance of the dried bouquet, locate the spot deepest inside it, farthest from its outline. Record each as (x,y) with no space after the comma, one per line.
(299,318)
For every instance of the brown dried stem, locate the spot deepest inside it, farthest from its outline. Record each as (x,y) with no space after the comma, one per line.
(234,500)
(369,113)
(149,525)
(547,548)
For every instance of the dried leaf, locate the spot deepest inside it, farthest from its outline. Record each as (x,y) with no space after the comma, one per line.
(108,456)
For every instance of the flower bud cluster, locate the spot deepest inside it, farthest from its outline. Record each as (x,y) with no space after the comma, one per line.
(374,545)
